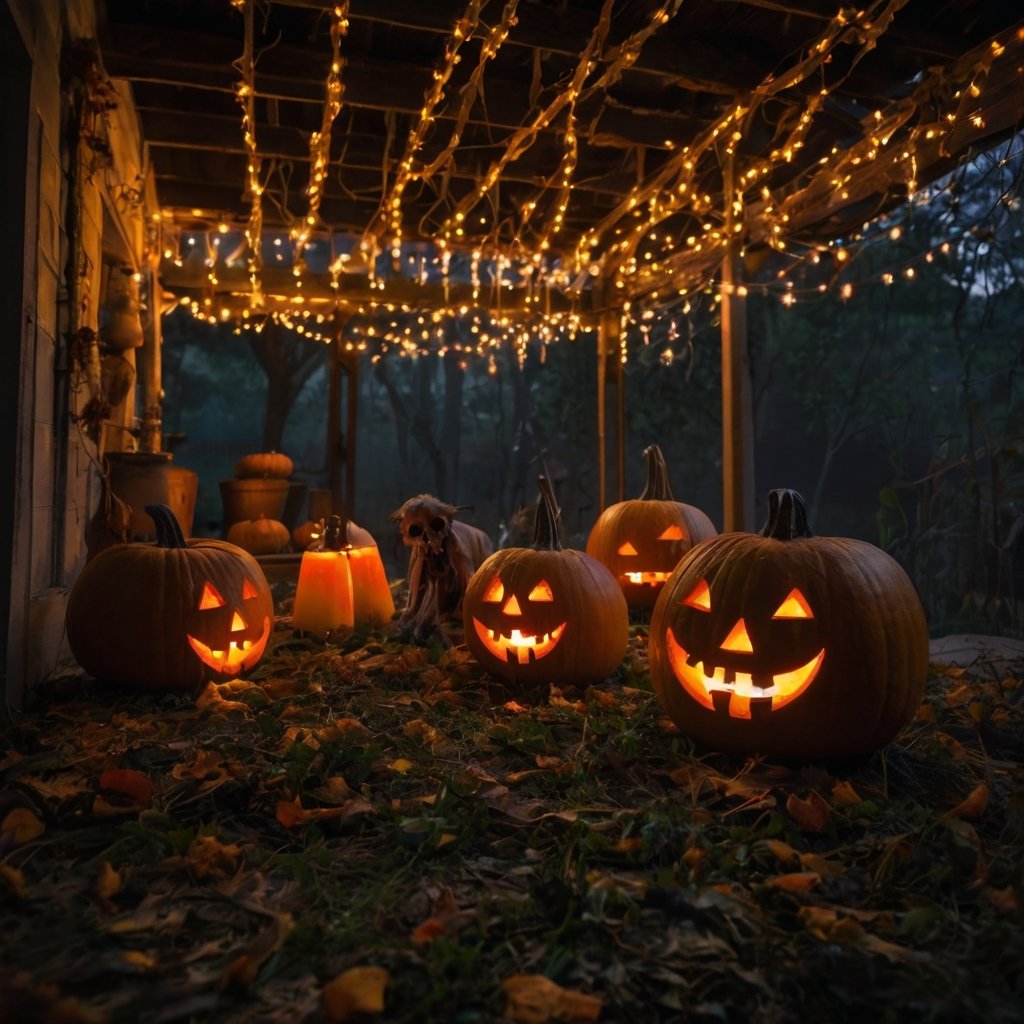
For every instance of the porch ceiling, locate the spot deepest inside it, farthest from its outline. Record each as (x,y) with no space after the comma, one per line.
(583,130)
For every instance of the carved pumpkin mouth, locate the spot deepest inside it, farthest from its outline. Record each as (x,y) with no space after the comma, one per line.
(783,688)
(239,654)
(649,579)
(516,646)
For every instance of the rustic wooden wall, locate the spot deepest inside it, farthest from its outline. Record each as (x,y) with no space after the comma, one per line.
(50,467)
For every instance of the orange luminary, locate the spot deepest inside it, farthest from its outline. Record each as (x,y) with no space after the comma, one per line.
(341,585)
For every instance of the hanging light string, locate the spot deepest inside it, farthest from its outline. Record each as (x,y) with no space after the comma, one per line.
(893,147)
(245,93)
(390,209)
(320,141)
(525,137)
(472,89)
(674,186)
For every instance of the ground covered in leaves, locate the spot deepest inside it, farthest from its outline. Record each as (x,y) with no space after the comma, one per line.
(372,830)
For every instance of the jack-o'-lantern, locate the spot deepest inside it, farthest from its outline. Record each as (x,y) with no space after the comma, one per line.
(545,614)
(642,540)
(788,644)
(171,616)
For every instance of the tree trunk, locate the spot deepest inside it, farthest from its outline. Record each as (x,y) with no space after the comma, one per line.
(288,361)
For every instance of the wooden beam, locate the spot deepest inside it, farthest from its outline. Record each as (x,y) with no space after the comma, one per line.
(232,293)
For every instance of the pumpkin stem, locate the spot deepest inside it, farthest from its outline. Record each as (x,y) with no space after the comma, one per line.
(656,488)
(545,523)
(334,534)
(168,529)
(787,516)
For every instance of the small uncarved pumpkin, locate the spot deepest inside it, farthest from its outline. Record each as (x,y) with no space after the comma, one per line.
(788,644)
(307,534)
(171,616)
(260,536)
(545,614)
(264,464)
(642,540)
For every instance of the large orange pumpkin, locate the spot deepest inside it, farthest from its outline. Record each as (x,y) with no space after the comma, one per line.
(642,540)
(545,614)
(171,616)
(788,644)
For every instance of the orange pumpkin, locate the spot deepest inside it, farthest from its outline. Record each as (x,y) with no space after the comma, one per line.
(259,536)
(545,614)
(788,644)
(264,464)
(642,540)
(171,616)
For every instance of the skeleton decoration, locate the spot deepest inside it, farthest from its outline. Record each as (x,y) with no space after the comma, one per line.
(444,554)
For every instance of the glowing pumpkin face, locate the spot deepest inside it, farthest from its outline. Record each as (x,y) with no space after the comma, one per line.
(171,616)
(232,642)
(506,638)
(788,644)
(642,540)
(542,614)
(734,668)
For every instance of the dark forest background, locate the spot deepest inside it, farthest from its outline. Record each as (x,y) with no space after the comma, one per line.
(887,389)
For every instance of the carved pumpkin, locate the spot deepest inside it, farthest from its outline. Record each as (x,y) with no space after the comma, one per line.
(544,614)
(642,540)
(259,536)
(264,464)
(171,616)
(788,644)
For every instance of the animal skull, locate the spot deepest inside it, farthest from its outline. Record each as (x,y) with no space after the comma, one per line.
(425,522)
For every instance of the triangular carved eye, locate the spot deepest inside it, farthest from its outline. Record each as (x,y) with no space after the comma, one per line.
(794,607)
(542,592)
(249,590)
(627,549)
(495,591)
(672,532)
(700,597)
(210,598)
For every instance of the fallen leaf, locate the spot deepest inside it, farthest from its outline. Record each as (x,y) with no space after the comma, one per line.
(242,971)
(357,990)
(207,855)
(535,999)
(132,784)
(108,881)
(794,881)
(19,827)
(14,878)
(844,795)
(973,805)
(810,814)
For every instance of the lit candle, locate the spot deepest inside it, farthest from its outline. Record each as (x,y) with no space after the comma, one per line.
(323,597)
(371,593)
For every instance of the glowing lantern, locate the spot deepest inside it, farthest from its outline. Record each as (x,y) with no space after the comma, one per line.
(171,616)
(341,585)
(642,540)
(544,614)
(788,644)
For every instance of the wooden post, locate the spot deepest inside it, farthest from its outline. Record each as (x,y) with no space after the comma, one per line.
(342,363)
(151,436)
(737,406)
(605,327)
(620,425)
